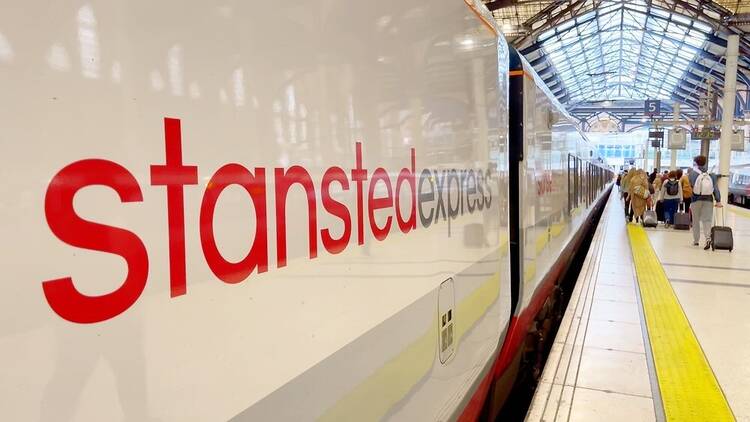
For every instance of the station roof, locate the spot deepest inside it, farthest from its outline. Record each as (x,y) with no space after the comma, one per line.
(608,54)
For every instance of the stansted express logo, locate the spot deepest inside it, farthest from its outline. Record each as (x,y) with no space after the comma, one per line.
(435,195)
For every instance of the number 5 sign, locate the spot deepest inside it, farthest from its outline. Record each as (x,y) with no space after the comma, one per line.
(652,108)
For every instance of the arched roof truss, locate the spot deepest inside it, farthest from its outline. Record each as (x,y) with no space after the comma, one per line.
(589,51)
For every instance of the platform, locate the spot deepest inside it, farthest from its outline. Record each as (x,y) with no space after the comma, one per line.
(654,329)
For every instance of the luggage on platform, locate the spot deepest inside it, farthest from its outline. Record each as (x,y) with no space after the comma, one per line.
(721,236)
(660,211)
(681,218)
(649,218)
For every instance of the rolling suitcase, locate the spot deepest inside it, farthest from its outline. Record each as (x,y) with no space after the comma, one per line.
(721,236)
(681,218)
(649,218)
(660,210)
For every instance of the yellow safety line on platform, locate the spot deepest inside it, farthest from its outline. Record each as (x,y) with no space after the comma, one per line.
(739,211)
(689,390)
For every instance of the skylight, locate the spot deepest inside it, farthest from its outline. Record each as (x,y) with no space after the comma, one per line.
(623,50)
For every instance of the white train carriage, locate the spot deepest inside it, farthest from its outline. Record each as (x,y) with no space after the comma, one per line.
(557,184)
(273,211)
(739,184)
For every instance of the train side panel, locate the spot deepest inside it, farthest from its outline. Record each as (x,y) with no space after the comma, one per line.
(739,184)
(255,210)
(555,183)
(560,179)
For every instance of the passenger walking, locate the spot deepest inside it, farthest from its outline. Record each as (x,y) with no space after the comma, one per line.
(687,190)
(705,192)
(624,186)
(639,194)
(671,194)
(658,183)
(657,199)
(652,176)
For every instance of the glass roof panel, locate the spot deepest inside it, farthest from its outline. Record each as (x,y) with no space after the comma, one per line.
(623,50)
(681,19)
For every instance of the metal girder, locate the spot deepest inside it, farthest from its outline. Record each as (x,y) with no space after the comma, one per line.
(719,25)
(690,88)
(499,4)
(703,53)
(538,44)
(536,62)
(548,73)
(547,14)
(693,80)
(689,101)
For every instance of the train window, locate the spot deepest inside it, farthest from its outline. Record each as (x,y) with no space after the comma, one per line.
(585,183)
(596,180)
(590,178)
(570,200)
(579,185)
(588,183)
(571,182)
(586,170)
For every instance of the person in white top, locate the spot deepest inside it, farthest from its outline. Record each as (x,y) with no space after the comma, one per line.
(705,192)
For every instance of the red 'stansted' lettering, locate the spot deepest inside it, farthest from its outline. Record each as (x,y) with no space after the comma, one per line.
(74,306)
(359,176)
(174,175)
(409,177)
(284,180)
(61,294)
(336,208)
(257,257)
(373,203)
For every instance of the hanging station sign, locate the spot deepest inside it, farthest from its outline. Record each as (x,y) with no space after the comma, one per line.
(656,137)
(706,133)
(678,138)
(652,108)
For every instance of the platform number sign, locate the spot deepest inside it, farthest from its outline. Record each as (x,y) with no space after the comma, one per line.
(652,108)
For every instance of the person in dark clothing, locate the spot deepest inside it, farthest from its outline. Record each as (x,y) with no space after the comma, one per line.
(671,194)
(625,188)
(687,189)
(652,176)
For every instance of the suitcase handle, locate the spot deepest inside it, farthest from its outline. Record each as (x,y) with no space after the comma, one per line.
(723,216)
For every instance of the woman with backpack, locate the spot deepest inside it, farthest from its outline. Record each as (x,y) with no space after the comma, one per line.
(671,194)
(705,192)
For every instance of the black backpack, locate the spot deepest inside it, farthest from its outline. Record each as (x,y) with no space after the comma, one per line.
(673,187)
